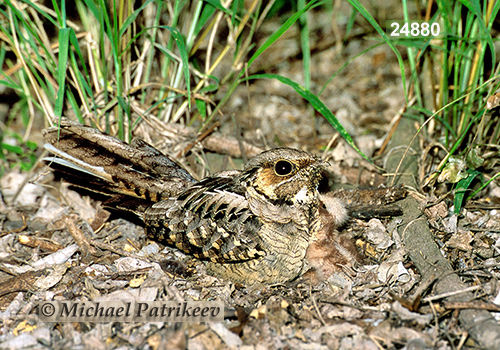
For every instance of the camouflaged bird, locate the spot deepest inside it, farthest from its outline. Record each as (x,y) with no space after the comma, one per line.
(253,226)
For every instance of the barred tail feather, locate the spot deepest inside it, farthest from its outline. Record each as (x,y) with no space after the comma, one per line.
(136,170)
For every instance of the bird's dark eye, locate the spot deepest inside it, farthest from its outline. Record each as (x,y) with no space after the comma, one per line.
(283,168)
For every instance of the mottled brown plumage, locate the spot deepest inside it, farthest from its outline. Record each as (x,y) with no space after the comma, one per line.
(254,225)
(258,225)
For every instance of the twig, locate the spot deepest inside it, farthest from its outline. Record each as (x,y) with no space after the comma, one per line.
(35,242)
(316,307)
(80,237)
(116,250)
(463,338)
(449,294)
(375,339)
(479,305)
(200,138)
(360,308)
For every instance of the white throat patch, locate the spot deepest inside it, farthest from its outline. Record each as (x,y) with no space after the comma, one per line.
(301,196)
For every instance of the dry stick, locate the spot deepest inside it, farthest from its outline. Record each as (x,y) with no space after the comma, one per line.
(424,252)
(78,235)
(316,307)
(35,242)
(411,98)
(463,338)
(376,339)
(449,294)
(329,145)
(436,318)
(116,250)
(200,138)
(475,304)
(394,126)
(21,283)
(342,303)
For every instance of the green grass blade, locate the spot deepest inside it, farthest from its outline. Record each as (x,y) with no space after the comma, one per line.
(64,34)
(483,186)
(202,108)
(281,30)
(317,104)
(130,19)
(206,15)
(60,13)
(183,53)
(304,43)
(462,187)
(218,6)
(39,10)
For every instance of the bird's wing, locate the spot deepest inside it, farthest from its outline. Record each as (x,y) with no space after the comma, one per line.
(211,220)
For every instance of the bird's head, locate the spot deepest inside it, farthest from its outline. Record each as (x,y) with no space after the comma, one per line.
(284,175)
